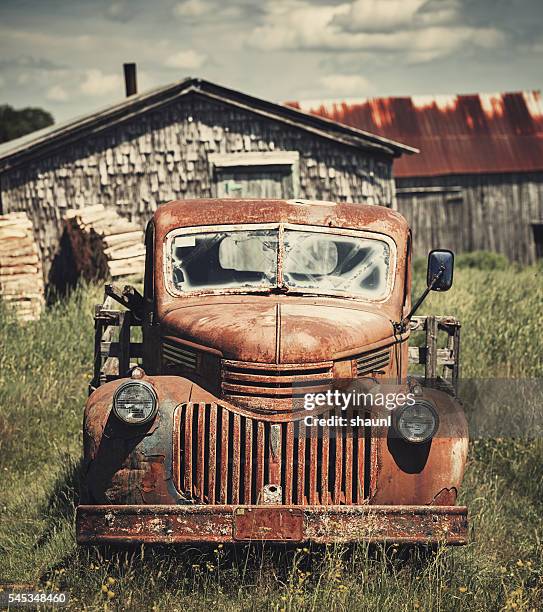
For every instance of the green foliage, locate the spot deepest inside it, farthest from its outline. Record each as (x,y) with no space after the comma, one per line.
(44,370)
(482,260)
(15,123)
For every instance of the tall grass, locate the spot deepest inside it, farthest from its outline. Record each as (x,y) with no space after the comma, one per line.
(44,371)
(501,312)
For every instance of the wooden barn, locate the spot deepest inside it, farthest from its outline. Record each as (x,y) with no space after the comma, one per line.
(190,139)
(477,183)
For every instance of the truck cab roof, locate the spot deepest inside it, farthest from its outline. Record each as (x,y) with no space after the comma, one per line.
(353,216)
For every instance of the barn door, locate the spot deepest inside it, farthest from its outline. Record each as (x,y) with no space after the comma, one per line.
(262,175)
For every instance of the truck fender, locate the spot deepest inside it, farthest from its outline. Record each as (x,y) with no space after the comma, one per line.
(127,464)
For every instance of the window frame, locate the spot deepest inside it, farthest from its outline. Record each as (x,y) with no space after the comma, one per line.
(221,162)
(281,227)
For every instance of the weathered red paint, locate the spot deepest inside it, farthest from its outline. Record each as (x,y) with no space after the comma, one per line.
(229,431)
(463,134)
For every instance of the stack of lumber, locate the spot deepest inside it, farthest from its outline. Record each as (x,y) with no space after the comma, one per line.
(21,274)
(104,244)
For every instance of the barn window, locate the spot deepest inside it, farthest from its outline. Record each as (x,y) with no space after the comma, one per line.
(270,174)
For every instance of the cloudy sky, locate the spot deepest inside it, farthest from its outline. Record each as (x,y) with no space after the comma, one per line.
(66,55)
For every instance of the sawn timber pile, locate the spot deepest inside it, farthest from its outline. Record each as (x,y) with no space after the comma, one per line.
(21,274)
(104,244)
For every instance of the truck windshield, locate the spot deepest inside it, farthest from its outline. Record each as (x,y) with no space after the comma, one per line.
(225,260)
(313,262)
(335,263)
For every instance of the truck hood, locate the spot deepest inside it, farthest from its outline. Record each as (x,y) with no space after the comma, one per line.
(277,332)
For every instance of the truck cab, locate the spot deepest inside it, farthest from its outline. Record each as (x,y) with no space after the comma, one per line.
(231,420)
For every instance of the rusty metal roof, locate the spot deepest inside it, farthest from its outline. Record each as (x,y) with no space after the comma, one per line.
(464,134)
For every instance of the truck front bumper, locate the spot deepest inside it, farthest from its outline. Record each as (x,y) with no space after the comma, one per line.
(234,524)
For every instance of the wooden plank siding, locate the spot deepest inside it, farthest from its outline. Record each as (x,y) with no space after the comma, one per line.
(142,162)
(491,212)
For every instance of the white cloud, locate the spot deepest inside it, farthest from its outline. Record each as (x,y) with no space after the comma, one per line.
(186,60)
(47,41)
(96,83)
(200,11)
(121,10)
(346,84)
(295,24)
(56,93)
(413,28)
(392,15)
(191,8)
(438,12)
(378,15)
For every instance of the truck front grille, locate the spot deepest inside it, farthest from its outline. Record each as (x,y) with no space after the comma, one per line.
(229,458)
(275,384)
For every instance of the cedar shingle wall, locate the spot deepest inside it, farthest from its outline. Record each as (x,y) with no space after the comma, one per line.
(162,155)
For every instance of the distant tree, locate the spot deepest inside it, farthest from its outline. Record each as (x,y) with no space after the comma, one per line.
(15,123)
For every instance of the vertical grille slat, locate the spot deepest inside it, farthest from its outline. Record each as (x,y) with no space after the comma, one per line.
(300,488)
(355,465)
(289,464)
(259,460)
(223,479)
(275,448)
(313,464)
(325,467)
(212,463)
(229,458)
(236,463)
(200,450)
(187,448)
(361,462)
(348,453)
(338,464)
(248,468)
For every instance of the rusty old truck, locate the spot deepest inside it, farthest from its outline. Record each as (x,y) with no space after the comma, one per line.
(196,428)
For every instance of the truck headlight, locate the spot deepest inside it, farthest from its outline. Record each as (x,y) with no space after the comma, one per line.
(135,402)
(416,423)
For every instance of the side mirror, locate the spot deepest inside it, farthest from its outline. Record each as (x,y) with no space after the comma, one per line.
(440,270)
(438,278)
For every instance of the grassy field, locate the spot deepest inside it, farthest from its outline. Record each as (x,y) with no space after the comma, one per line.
(44,371)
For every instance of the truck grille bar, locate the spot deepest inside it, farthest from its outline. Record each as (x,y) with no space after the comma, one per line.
(373,361)
(272,385)
(175,353)
(228,458)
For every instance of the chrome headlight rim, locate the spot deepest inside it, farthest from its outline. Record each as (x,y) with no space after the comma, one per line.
(399,412)
(133,383)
